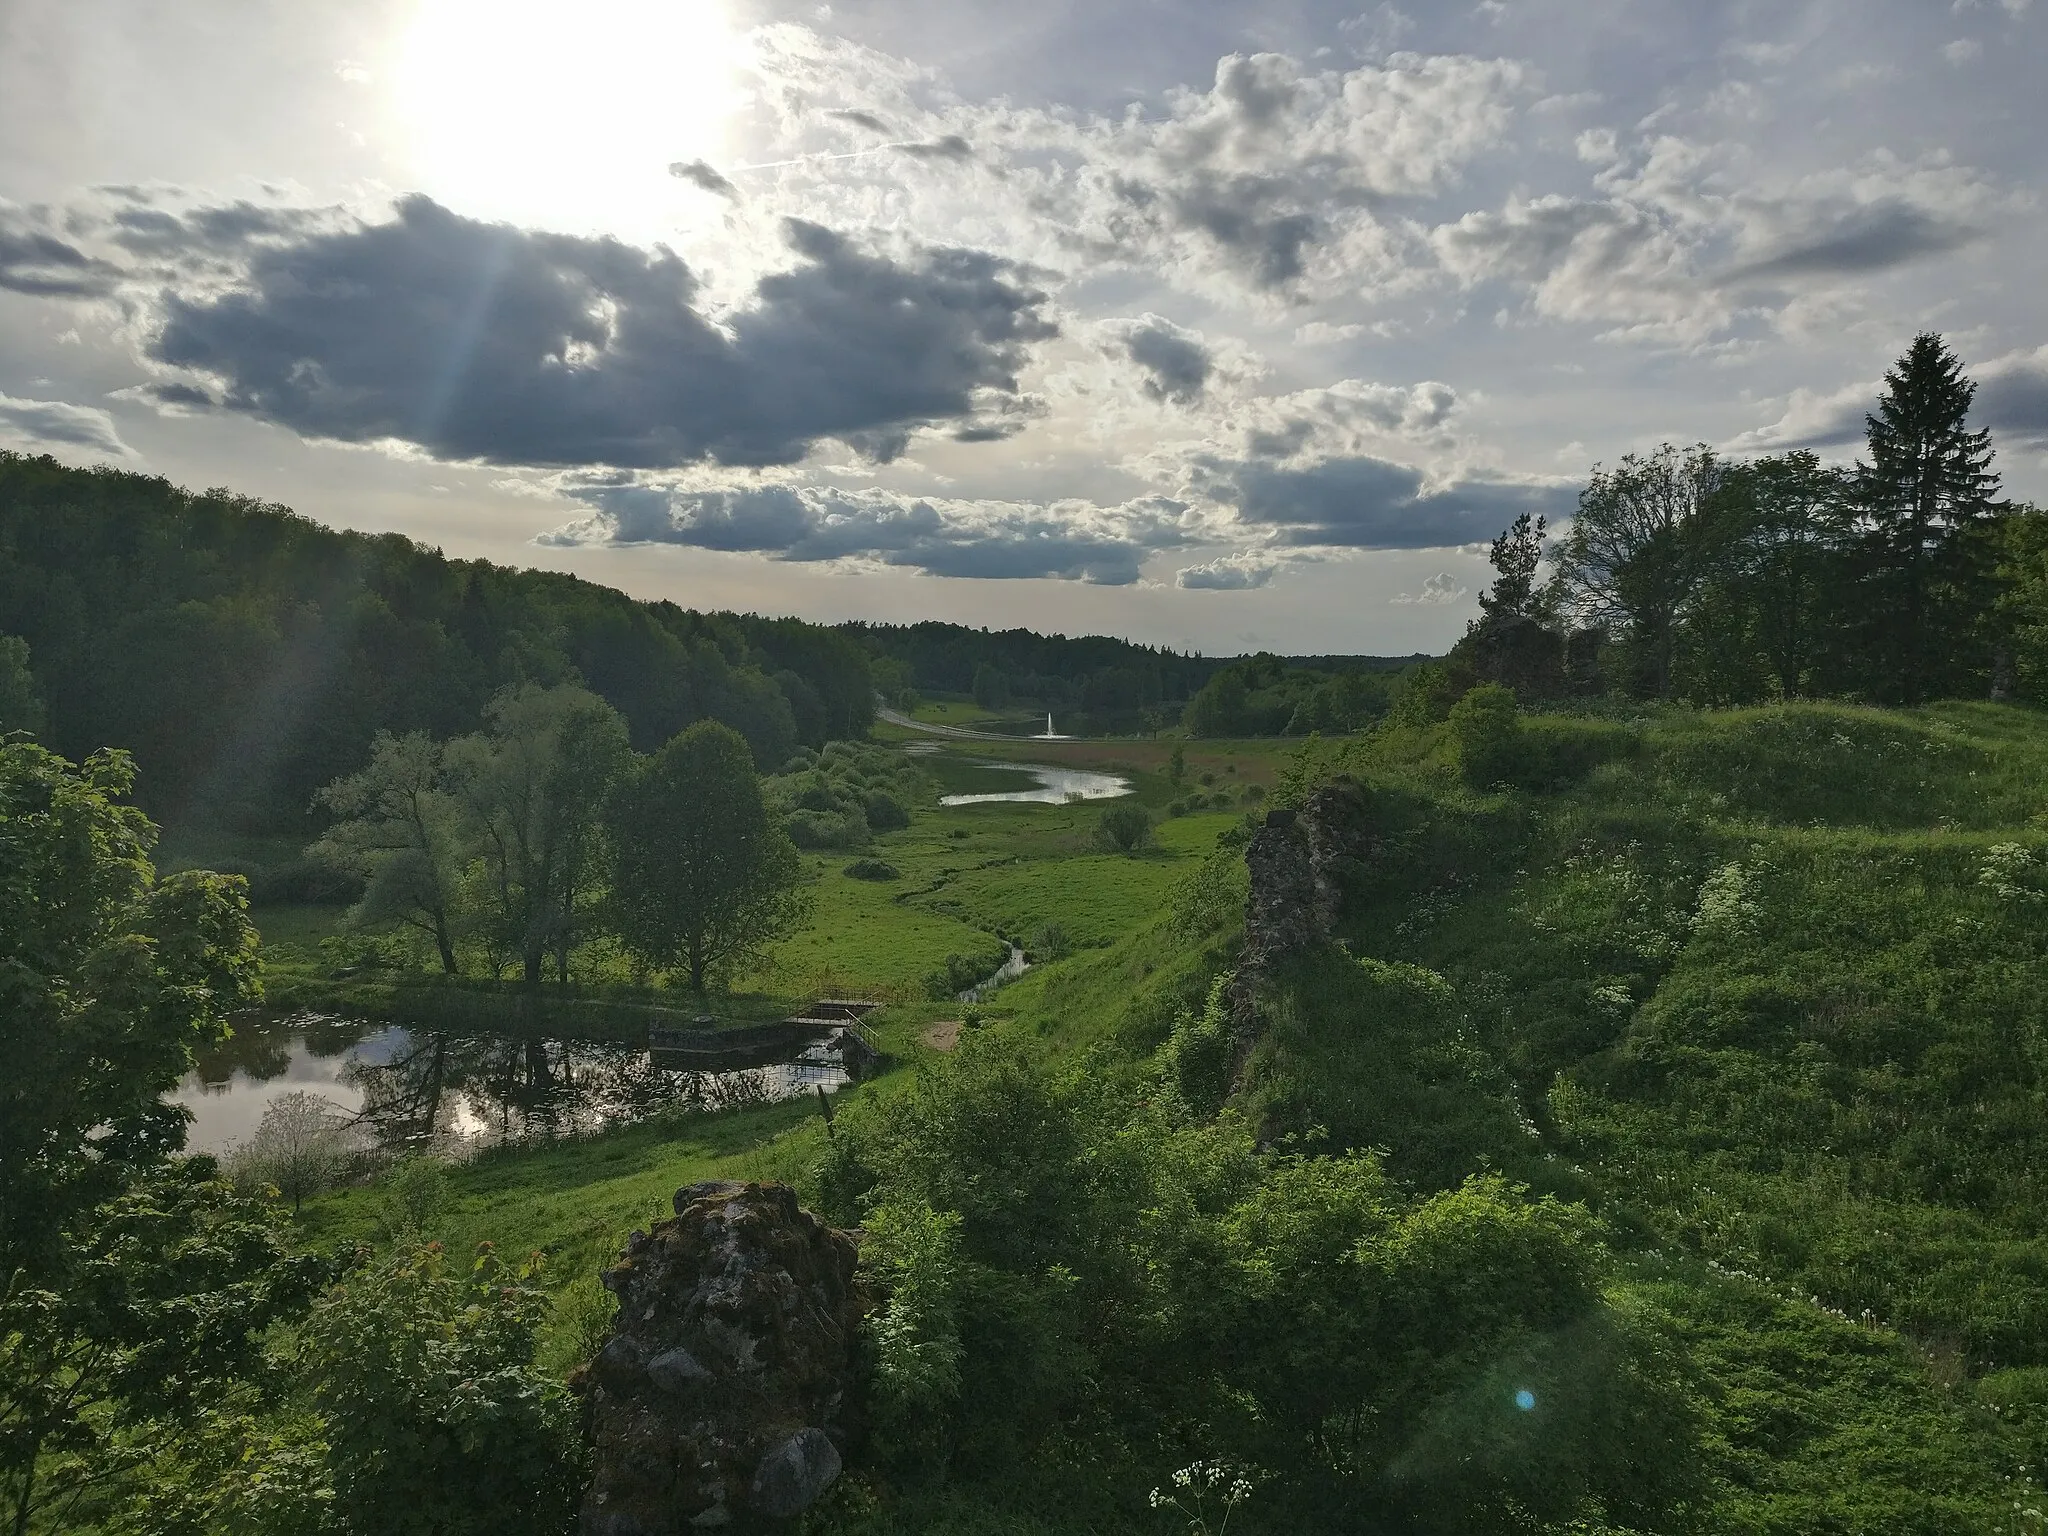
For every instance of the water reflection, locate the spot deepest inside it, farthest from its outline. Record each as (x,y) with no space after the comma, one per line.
(413,1087)
(1056,786)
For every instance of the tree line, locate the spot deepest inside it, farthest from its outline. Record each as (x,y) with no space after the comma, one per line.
(1687,575)
(508,849)
(247,655)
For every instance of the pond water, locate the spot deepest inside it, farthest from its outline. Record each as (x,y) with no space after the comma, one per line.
(1052,785)
(406,1087)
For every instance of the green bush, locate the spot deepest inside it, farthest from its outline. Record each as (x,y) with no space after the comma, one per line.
(438,1424)
(885,813)
(817,831)
(872,869)
(963,971)
(1486,731)
(1124,828)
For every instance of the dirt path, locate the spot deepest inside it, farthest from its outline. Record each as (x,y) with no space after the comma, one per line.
(942,1036)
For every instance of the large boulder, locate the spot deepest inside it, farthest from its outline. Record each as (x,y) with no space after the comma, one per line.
(721,1398)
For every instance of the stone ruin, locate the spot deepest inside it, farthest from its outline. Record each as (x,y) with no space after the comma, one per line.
(722,1398)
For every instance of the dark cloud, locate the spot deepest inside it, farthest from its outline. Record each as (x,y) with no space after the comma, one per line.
(2012,397)
(699,173)
(149,231)
(866,120)
(1368,503)
(58,423)
(1176,362)
(948,147)
(34,261)
(180,394)
(1869,239)
(975,540)
(482,341)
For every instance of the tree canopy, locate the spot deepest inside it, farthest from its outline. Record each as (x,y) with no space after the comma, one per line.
(701,877)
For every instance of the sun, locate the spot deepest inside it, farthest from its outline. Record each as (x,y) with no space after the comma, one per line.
(566,114)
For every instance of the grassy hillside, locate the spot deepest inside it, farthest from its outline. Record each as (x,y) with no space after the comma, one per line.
(1763,990)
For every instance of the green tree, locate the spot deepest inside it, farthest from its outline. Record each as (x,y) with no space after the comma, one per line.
(701,876)
(156,1309)
(109,978)
(1177,765)
(437,1422)
(1514,556)
(401,833)
(1512,642)
(1926,489)
(991,688)
(21,704)
(1788,524)
(129,1285)
(1637,552)
(534,786)
(1221,708)
(1486,727)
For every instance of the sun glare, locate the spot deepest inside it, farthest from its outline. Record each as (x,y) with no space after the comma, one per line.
(566,114)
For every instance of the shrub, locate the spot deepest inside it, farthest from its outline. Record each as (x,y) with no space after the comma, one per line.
(873,869)
(1486,728)
(437,1420)
(886,814)
(961,972)
(818,830)
(416,1195)
(1050,942)
(1124,828)
(1198,1054)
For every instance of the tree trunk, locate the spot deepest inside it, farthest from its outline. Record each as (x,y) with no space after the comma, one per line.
(2001,674)
(446,946)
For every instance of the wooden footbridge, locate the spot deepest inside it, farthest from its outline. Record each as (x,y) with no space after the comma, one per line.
(828,1027)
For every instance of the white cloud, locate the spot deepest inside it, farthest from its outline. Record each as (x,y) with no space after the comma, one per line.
(1437,591)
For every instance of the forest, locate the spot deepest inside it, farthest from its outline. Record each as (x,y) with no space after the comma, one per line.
(1587,1084)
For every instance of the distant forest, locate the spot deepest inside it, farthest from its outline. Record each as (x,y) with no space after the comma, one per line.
(247,655)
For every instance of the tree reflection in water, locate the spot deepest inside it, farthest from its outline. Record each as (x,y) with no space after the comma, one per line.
(419,1086)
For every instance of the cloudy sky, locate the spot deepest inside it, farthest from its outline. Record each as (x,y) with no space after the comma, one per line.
(1219,326)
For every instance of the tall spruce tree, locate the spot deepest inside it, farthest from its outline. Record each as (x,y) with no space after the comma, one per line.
(1924,498)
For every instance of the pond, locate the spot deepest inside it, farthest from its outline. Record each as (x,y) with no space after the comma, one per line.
(407,1087)
(1048,785)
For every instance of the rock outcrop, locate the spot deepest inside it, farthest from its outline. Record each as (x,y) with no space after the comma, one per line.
(720,1400)
(1297,863)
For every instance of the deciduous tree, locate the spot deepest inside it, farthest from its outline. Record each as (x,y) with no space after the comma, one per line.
(533,786)
(1636,554)
(401,832)
(701,877)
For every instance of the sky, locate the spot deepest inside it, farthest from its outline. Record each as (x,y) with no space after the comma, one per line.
(1220,326)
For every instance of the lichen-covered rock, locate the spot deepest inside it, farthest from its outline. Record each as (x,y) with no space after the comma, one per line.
(729,1372)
